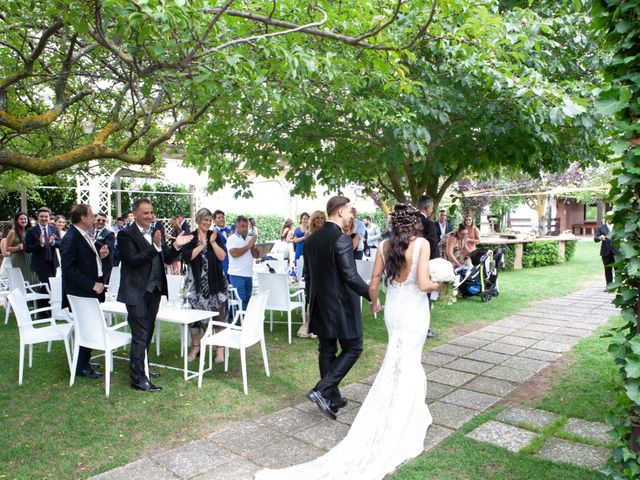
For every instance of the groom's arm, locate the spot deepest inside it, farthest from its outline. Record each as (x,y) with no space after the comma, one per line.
(347,267)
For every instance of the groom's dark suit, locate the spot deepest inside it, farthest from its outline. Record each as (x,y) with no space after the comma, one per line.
(142,283)
(333,288)
(607,251)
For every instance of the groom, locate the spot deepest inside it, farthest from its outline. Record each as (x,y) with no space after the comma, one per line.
(333,286)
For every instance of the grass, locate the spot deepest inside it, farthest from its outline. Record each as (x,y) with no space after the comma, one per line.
(54,431)
(588,390)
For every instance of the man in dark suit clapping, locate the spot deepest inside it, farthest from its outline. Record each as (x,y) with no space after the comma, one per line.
(143,254)
(333,287)
(607,250)
(84,262)
(103,235)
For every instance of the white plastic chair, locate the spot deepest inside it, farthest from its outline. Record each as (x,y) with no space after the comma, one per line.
(239,337)
(114,283)
(57,312)
(365,270)
(280,298)
(30,335)
(280,266)
(174,285)
(91,331)
(16,281)
(300,268)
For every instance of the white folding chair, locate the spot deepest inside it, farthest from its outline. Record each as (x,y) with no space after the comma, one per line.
(300,268)
(280,298)
(365,270)
(30,335)
(174,285)
(91,331)
(114,283)
(16,281)
(238,336)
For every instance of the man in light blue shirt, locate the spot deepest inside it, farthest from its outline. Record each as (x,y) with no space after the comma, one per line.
(361,231)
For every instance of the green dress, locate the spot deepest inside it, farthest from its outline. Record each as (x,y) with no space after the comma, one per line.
(21,259)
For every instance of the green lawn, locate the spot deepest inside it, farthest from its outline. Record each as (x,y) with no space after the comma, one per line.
(54,431)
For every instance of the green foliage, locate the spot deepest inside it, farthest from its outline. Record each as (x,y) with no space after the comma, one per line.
(541,254)
(617,21)
(60,199)
(569,249)
(509,251)
(269,226)
(164,205)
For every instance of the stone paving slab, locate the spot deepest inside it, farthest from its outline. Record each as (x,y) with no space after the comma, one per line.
(347,417)
(435,434)
(239,469)
(576,332)
(573,453)
(291,419)
(552,346)
(487,356)
(530,334)
(324,435)
(470,399)
(142,469)
(469,342)
(436,390)
(503,348)
(502,331)
(356,391)
(451,416)
(484,335)
(437,359)
(289,451)
(595,431)
(566,339)
(521,415)
(244,436)
(512,438)
(509,374)
(449,349)
(429,368)
(193,458)
(518,341)
(450,377)
(470,366)
(526,364)
(539,355)
(492,386)
(540,327)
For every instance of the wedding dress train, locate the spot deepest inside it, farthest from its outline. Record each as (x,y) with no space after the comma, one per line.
(393,420)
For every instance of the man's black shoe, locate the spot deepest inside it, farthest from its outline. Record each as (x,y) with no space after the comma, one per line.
(146,387)
(95,366)
(154,374)
(337,406)
(317,398)
(89,373)
(431,334)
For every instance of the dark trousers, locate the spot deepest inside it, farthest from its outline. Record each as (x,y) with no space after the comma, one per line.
(607,260)
(142,320)
(84,357)
(358,254)
(334,368)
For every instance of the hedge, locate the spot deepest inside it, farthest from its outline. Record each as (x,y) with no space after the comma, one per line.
(541,254)
(569,249)
(509,251)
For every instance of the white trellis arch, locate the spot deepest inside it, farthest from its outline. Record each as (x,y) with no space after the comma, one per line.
(95,189)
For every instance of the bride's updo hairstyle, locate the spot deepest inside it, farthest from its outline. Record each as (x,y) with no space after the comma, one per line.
(405,224)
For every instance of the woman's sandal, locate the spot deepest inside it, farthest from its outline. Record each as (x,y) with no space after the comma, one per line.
(194,353)
(221,358)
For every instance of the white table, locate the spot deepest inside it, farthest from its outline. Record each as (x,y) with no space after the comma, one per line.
(172,314)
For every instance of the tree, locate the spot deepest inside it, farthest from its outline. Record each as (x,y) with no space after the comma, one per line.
(492,90)
(618,21)
(116,79)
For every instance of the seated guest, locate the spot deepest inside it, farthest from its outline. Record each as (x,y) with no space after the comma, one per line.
(453,247)
(84,262)
(206,286)
(473,236)
(241,254)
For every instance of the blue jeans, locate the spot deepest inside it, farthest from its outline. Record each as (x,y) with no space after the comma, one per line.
(244,285)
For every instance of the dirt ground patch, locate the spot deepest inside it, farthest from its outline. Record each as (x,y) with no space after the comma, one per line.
(539,385)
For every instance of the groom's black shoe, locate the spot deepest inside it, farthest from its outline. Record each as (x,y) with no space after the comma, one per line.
(338,405)
(317,398)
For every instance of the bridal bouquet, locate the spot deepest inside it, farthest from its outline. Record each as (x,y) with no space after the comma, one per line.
(441,271)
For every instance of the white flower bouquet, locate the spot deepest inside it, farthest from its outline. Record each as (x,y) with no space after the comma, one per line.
(441,271)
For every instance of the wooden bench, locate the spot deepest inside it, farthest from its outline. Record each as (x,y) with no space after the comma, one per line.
(586,228)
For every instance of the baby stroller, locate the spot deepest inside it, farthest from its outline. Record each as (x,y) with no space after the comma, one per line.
(482,280)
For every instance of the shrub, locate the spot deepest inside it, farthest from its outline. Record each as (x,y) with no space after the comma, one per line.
(569,249)
(541,254)
(509,253)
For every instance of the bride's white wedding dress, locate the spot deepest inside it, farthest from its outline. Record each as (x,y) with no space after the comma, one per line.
(393,420)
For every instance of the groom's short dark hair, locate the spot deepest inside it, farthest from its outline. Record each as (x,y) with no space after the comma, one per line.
(335,203)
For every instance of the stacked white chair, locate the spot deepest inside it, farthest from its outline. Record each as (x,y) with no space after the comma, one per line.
(280,298)
(114,283)
(91,331)
(16,281)
(238,336)
(174,285)
(29,335)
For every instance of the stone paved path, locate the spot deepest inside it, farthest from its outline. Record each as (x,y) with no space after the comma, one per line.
(465,377)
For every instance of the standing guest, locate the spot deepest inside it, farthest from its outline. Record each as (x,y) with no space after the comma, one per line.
(241,254)
(473,235)
(361,231)
(61,225)
(206,286)
(442,226)
(120,224)
(41,242)
(183,225)
(316,222)
(5,254)
(103,235)
(224,232)
(350,230)
(607,250)
(253,228)
(299,234)
(130,218)
(84,262)
(374,235)
(143,254)
(20,258)
(428,230)
(387,229)
(333,286)
(286,238)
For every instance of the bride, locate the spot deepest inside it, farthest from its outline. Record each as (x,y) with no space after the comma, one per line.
(393,420)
